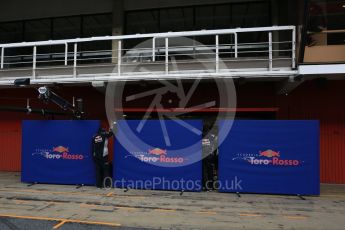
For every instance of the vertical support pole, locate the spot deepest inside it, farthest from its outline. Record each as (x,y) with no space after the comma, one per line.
(66,53)
(154,49)
(293,56)
(119,56)
(75,52)
(166,55)
(2,57)
(270,52)
(236,46)
(194,48)
(217,53)
(34,57)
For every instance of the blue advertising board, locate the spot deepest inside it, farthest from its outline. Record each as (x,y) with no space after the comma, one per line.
(157,154)
(58,151)
(277,157)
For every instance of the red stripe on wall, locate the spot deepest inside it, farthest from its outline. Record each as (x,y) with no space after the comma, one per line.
(206,110)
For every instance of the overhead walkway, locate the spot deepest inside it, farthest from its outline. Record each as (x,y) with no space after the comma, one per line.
(229,53)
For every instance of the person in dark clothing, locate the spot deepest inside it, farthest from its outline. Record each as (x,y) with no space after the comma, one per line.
(209,161)
(100,155)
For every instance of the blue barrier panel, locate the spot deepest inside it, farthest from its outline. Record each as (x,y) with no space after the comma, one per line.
(144,160)
(58,152)
(278,157)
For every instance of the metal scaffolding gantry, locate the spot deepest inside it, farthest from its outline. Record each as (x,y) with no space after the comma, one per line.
(183,55)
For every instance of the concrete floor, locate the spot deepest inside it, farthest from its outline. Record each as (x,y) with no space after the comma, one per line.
(67,207)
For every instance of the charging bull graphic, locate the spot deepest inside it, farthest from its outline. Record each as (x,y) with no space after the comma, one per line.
(60,149)
(270,153)
(157,151)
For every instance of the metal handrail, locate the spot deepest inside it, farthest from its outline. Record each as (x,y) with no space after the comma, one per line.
(164,51)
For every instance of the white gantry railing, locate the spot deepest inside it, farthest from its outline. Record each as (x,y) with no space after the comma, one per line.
(240,52)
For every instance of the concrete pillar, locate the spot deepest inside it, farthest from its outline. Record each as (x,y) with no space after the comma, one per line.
(118,24)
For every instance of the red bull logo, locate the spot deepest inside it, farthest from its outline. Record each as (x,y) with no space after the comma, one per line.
(60,149)
(270,153)
(157,151)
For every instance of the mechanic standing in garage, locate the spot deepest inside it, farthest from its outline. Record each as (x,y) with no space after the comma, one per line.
(100,155)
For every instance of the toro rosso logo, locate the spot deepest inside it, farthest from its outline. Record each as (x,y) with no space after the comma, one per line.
(58,153)
(267,157)
(157,155)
